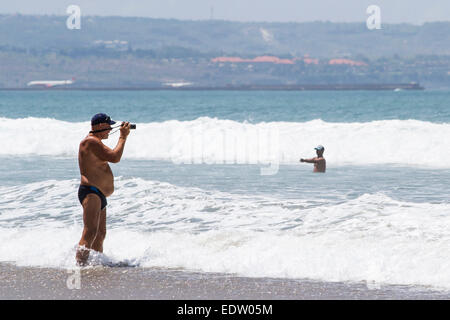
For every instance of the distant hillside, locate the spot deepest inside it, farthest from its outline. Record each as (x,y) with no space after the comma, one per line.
(144,52)
(213,38)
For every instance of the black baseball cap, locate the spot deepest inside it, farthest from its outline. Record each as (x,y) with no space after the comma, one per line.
(101,118)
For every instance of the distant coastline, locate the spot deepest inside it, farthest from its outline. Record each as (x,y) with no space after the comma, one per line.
(144,54)
(306,87)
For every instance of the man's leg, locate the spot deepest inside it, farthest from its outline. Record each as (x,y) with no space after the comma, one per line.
(97,245)
(91,214)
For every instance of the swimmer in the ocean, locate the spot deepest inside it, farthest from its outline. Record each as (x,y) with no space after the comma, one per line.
(320,164)
(97,182)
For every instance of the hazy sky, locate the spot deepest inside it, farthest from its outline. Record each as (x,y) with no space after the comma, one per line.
(392,11)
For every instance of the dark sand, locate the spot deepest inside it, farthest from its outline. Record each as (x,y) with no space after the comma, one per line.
(162,284)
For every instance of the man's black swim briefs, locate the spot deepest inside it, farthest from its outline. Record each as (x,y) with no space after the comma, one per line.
(83,191)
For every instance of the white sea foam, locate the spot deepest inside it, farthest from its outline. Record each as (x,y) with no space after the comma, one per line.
(207,140)
(372,238)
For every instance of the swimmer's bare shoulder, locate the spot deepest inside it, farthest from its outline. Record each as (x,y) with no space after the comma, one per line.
(320,159)
(87,141)
(87,147)
(92,145)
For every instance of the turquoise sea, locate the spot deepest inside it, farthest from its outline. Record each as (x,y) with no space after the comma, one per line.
(210,181)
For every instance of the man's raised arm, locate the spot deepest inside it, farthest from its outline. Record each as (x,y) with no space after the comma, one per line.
(111,155)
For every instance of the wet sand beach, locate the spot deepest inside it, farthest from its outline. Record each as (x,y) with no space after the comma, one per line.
(23,283)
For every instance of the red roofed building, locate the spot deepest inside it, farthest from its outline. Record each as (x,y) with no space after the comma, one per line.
(347,61)
(272,60)
(307,60)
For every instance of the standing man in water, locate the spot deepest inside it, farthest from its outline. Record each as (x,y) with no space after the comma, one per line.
(97,182)
(320,164)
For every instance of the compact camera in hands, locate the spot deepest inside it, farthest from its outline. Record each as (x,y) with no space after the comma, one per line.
(132,125)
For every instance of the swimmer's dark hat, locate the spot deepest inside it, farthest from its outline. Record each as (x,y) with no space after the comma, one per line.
(101,118)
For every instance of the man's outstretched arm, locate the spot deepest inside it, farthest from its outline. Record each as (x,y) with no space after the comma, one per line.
(312,160)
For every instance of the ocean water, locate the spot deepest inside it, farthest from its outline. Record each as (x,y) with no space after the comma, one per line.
(210,181)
